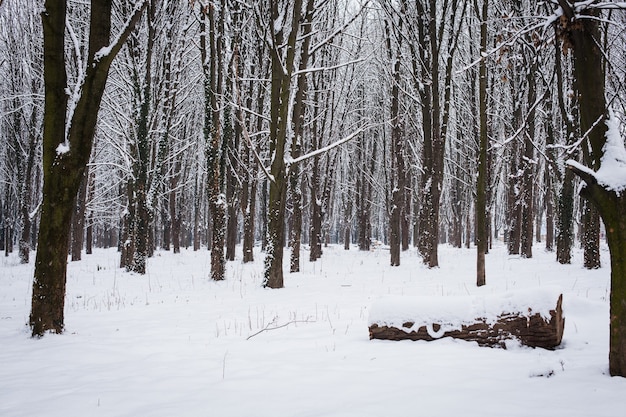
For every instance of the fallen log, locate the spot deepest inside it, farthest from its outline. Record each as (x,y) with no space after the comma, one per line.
(489,321)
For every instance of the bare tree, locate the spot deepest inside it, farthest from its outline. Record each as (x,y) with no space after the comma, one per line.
(282,32)
(481,181)
(67,142)
(578,25)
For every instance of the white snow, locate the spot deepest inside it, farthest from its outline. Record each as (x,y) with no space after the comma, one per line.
(63,148)
(103,52)
(174,343)
(612,172)
(452,312)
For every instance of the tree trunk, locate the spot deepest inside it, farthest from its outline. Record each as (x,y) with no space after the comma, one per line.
(565,235)
(482,234)
(591,236)
(196,215)
(127,223)
(583,36)
(528,198)
(174,215)
(315,233)
(282,69)
(315,220)
(565,220)
(434,119)
(397,184)
(63,171)
(140,229)
(365,197)
(78,218)
(229,146)
(514,206)
(25,238)
(549,213)
(89,235)
(296,146)
(213,70)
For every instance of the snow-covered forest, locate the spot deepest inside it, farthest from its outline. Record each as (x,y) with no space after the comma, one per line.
(274,132)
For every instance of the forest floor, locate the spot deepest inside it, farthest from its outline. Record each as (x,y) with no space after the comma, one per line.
(174,343)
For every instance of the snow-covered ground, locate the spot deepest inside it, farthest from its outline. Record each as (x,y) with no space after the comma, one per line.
(174,343)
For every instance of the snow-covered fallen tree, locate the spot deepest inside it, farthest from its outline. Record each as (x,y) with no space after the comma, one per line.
(534,318)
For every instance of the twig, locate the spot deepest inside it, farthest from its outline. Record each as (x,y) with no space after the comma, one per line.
(268,328)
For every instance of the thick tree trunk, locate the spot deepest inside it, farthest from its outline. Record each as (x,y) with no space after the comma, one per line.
(213,71)
(279,111)
(140,232)
(613,209)
(434,119)
(63,171)
(583,36)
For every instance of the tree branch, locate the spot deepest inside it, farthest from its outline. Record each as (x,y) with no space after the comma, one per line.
(107,53)
(268,328)
(582,171)
(327,148)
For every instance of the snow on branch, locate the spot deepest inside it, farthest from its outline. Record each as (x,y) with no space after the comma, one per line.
(333,67)
(612,172)
(114,47)
(333,35)
(595,4)
(290,161)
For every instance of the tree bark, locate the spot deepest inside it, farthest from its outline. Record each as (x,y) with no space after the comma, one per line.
(231,144)
(529,329)
(481,182)
(296,147)
(25,238)
(63,171)
(591,236)
(565,220)
(583,36)
(397,184)
(528,198)
(213,135)
(78,218)
(282,68)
